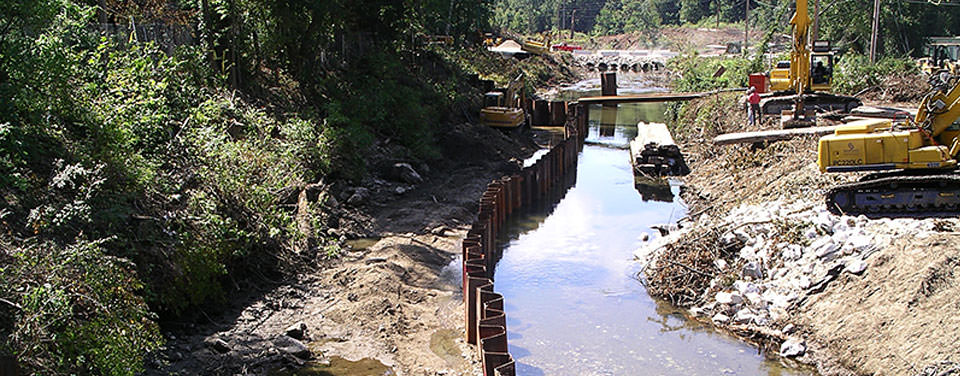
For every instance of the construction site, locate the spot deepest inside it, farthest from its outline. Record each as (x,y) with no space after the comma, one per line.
(578,188)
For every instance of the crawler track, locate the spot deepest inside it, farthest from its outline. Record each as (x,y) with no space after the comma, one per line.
(899,194)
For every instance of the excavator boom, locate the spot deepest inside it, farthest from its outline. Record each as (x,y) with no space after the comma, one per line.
(802,85)
(800,57)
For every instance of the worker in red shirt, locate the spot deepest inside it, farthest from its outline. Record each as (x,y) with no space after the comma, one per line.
(753,106)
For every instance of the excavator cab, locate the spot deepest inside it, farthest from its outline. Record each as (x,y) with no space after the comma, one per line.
(821,66)
(493,99)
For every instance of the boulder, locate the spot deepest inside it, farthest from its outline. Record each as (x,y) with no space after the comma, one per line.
(792,347)
(720,264)
(860,243)
(720,318)
(855,266)
(753,270)
(288,345)
(729,298)
(825,248)
(405,173)
(792,252)
(744,316)
(296,331)
(217,344)
(744,287)
(359,196)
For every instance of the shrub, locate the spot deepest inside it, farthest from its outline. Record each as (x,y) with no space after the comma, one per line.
(855,73)
(73,309)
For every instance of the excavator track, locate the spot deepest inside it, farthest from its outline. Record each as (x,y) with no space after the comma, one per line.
(821,102)
(901,194)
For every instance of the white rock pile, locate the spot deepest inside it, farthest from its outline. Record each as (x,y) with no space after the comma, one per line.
(784,252)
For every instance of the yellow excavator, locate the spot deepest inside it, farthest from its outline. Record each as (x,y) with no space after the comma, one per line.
(798,85)
(502,108)
(918,159)
(942,53)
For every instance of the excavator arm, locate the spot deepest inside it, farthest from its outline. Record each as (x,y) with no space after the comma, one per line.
(941,107)
(800,56)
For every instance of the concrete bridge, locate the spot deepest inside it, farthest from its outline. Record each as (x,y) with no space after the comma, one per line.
(623,60)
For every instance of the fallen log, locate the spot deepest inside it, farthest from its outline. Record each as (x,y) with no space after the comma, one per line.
(772,135)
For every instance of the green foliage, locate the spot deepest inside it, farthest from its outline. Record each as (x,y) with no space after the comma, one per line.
(619,16)
(73,309)
(903,25)
(854,72)
(700,74)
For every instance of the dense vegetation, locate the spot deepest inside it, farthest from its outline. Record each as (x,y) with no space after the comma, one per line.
(903,25)
(141,175)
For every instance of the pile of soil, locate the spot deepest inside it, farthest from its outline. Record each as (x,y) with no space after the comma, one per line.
(673,37)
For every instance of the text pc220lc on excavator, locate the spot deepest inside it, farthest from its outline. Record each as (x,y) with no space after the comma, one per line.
(799,86)
(917,161)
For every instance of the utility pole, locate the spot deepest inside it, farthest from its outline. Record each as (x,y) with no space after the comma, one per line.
(573,21)
(816,20)
(873,35)
(746,27)
(449,18)
(559,24)
(717,4)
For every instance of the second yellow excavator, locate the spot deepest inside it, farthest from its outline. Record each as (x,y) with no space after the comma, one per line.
(799,86)
(502,109)
(919,159)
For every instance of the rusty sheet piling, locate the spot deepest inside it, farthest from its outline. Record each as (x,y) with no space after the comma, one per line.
(486,322)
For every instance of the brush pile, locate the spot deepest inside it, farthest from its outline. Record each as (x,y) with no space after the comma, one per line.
(683,270)
(898,88)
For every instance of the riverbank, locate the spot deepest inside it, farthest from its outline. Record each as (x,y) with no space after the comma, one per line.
(761,257)
(391,298)
(387,297)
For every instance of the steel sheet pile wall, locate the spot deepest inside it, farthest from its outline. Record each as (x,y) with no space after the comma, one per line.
(485,320)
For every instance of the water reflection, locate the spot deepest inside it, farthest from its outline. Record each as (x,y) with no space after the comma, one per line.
(567,276)
(653,189)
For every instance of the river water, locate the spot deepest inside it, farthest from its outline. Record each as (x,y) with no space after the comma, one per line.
(574,305)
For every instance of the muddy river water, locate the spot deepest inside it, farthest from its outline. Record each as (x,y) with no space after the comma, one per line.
(574,305)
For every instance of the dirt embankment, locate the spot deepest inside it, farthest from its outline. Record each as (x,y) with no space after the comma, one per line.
(393,299)
(677,38)
(853,296)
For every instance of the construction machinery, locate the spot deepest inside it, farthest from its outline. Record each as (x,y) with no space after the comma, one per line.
(502,107)
(536,47)
(799,85)
(941,53)
(916,160)
(490,40)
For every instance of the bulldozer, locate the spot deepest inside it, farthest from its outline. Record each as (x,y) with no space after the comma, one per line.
(799,85)
(913,165)
(502,107)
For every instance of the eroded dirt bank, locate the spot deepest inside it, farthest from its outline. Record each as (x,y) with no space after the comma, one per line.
(761,257)
(395,300)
